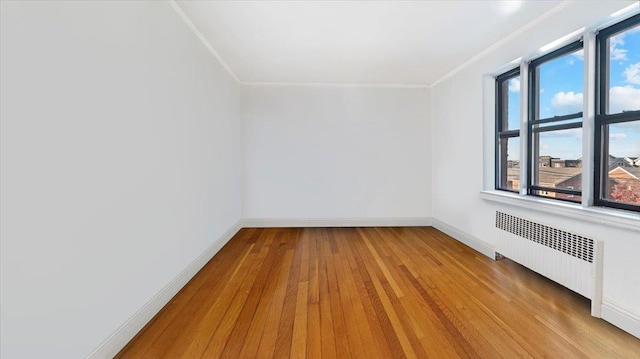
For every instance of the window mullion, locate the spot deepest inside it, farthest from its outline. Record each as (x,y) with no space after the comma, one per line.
(524,127)
(557,127)
(558,118)
(588,119)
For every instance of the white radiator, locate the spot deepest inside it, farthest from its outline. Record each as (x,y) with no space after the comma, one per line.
(572,260)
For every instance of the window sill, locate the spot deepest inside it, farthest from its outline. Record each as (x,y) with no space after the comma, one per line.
(606,216)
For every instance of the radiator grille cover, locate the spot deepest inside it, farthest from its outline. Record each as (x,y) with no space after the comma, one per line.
(565,242)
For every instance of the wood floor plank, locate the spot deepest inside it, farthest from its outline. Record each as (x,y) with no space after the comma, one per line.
(285,328)
(314,338)
(248,312)
(410,292)
(299,340)
(327,335)
(342,270)
(372,307)
(267,343)
(339,325)
(215,327)
(378,279)
(359,301)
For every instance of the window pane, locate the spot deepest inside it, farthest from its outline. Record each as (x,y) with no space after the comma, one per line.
(623,179)
(559,156)
(511,88)
(624,71)
(510,164)
(560,85)
(508,127)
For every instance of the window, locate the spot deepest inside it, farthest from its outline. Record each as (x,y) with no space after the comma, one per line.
(617,120)
(555,124)
(508,131)
(595,165)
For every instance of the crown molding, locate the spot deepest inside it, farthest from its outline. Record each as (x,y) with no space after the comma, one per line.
(464,65)
(334,84)
(202,39)
(226,66)
(506,40)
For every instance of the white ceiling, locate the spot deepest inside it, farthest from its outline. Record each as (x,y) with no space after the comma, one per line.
(355,42)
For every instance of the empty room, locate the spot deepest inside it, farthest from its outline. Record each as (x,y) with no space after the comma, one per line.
(320,179)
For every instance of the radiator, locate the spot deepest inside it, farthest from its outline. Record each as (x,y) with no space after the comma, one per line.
(567,258)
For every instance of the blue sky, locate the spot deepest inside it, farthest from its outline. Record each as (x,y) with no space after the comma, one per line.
(561,85)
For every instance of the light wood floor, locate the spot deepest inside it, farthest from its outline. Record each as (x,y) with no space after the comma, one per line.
(372,293)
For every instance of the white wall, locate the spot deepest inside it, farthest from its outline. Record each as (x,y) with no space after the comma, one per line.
(121,163)
(122,153)
(334,153)
(457,152)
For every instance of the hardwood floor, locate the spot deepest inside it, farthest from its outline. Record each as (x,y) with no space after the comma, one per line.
(372,293)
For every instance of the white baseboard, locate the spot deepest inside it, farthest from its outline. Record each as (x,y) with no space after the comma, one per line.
(473,242)
(337,222)
(621,318)
(116,341)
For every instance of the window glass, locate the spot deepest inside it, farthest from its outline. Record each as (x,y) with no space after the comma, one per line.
(623,165)
(624,71)
(560,85)
(513,102)
(559,155)
(560,145)
(511,163)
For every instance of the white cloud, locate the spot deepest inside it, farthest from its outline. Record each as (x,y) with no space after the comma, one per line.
(632,74)
(624,98)
(579,55)
(617,136)
(514,85)
(567,102)
(615,51)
